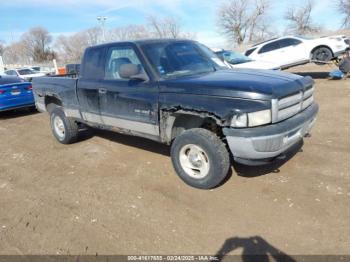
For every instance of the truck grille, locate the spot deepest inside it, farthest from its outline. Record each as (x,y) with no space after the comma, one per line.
(291,105)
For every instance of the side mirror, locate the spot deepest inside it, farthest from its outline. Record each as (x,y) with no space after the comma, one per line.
(133,72)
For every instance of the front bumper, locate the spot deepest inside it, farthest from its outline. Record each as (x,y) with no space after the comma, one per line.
(266,142)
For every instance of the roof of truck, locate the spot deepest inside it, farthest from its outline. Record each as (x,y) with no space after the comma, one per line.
(143,41)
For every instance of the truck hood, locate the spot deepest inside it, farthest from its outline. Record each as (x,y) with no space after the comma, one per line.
(239,83)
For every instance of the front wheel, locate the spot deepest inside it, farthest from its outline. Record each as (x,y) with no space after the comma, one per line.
(200,158)
(63,128)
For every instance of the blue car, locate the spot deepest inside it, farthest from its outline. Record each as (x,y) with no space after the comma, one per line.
(15,93)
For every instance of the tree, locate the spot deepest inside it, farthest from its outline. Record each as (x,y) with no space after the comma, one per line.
(300,20)
(70,49)
(258,24)
(16,53)
(344,9)
(166,27)
(242,20)
(2,48)
(37,44)
(130,32)
(92,36)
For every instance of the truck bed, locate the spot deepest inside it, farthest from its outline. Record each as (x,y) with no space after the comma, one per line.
(63,88)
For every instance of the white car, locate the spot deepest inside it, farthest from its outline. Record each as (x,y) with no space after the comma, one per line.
(237,60)
(24,73)
(296,50)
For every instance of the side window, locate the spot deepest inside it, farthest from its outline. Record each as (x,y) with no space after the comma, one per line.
(118,56)
(11,73)
(289,42)
(270,47)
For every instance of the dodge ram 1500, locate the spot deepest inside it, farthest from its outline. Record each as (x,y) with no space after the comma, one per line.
(179,93)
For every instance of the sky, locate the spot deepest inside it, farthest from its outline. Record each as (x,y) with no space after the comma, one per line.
(198,16)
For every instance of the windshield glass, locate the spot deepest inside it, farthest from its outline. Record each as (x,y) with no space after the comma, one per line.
(233,57)
(177,59)
(26,72)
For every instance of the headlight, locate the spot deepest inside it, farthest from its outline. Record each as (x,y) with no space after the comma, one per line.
(258,118)
(240,120)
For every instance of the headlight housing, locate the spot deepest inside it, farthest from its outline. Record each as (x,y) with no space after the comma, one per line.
(253,119)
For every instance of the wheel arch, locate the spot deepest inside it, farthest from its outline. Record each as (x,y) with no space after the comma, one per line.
(51,99)
(321,46)
(173,124)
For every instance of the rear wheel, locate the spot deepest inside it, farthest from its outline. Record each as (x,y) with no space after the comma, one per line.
(200,158)
(63,128)
(322,54)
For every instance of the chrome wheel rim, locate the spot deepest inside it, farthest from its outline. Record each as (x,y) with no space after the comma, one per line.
(59,128)
(194,161)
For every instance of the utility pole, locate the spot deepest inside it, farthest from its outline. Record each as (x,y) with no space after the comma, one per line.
(102,21)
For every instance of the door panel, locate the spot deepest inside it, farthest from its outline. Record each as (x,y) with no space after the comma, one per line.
(271,52)
(128,104)
(88,85)
(293,50)
(89,100)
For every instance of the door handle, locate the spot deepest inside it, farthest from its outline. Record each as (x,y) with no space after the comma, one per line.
(102,90)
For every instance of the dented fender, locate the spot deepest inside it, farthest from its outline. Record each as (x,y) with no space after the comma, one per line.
(219,109)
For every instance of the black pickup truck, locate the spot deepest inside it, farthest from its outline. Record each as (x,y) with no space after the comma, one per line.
(178,92)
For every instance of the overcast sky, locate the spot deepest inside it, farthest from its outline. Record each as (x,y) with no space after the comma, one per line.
(68,16)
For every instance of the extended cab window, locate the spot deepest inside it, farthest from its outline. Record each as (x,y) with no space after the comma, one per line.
(118,56)
(93,64)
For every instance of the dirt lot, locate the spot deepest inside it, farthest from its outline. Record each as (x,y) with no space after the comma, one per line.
(114,194)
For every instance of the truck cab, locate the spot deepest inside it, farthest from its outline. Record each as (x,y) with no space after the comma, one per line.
(178,92)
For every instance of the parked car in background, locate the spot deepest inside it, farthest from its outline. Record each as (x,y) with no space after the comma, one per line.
(24,73)
(296,50)
(238,60)
(15,93)
(180,93)
(45,70)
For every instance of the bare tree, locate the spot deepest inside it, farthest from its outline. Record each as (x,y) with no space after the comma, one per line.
(166,27)
(16,53)
(130,32)
(2,47)
(71,48)
(241,20)
(92,35)
(344,9)
(300,20)
(258,23)
(37,44)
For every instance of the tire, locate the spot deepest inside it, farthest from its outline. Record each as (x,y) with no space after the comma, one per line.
(200,158)
(322,54)
(63,128)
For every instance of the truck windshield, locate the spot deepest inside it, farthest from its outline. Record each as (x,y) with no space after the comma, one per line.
(177,59)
